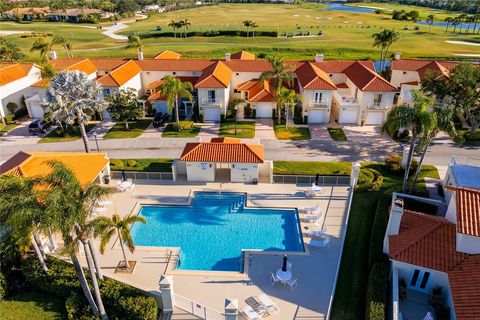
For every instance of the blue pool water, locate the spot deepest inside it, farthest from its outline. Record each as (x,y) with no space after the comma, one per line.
(215,228)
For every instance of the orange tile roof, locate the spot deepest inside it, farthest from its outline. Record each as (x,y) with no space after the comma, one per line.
(108,64)
(225,151)
(313,78)
(167,54)
(367,80)
(85,66)
(218,75)
(10,72)
(174,65)
(85,166)
(42,83)
(468,210)
(339,66)
(154,85)
(435,68)
(243,55)
(430,242)
(342,85)
(249,65)
(157,96)
(120,75)
(416,64)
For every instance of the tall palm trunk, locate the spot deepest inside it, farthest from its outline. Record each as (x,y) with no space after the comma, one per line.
(96,289)
(286,117)
(123,249)
(446,29)
(39,243)
(84,284)
(177,116)
(94,251)
(39,254)
(417,172)
(126,125)
(83,133)
(409,163)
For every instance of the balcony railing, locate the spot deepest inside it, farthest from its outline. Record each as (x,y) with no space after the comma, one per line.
(211,102)
(346,100)
(376,105)
(318,104)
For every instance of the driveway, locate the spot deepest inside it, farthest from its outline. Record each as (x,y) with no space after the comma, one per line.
(20,135)
(319,132)
(264,129)
(100,129)
(209,130)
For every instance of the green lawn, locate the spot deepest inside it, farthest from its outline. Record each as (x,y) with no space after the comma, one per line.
(148,165)
(73,134)
(245,129)
(136,129)
(170,132)
(311,167)
(467,134)
(291,133)
(4,129)
(337,134)
(32,306)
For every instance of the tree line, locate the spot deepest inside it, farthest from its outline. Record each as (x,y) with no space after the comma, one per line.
(467,6)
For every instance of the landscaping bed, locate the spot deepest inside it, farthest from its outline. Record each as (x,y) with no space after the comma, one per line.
(72,134)
(136,129)
(311,168)
(291,133)
(337,134)
(245,129)
(32,306)
(171,132)
(142,165)
(5,128)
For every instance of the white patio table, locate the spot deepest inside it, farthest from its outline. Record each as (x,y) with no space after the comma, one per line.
(284,276)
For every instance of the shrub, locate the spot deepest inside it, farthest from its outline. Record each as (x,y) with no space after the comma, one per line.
(380,221)
(77,308)
(365,176)
(3,286)
(116,164)
(183,125)
(12,107)
(131,163)
(394,165)
(9,118)
(200,118)
(371,178)
(377,292)
(121,301)
(247,111)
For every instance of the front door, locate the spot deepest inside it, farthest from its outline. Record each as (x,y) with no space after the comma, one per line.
(419,280)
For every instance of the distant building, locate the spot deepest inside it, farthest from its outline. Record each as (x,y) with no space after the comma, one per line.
(27,14)
(74,15)
(153,8)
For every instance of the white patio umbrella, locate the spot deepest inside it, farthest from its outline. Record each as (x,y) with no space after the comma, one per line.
(428,316)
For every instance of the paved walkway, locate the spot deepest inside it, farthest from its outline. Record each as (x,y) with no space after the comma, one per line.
(101,129)
(264,129)
(319,132)
(209,130)
(113,29)
(152,132)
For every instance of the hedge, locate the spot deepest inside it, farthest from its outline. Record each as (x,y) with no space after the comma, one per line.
(377,292)
(394,165)
(22,112)
(379,227)
(216,33)
(121,301)
(3,286)
(369,184)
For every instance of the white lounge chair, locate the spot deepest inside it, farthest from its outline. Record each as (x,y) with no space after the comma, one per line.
(317,232)
(268,303)
(292,283)
(249,313)
(104,203)
(99,209)
(313,218)
(321,243)
(311,209)
(274,279)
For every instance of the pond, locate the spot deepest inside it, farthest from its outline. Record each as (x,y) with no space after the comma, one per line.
(339,6)
(450,26)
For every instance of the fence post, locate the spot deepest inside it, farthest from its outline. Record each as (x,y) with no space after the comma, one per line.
(354,175)
(231,309)
(166,291)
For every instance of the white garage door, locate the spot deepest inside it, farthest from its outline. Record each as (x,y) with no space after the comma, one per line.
(263,111)
(374,118)
(348,116)
(36,112)
(317,116)
(211,114)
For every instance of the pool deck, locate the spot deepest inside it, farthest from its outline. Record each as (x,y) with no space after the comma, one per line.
(315,270)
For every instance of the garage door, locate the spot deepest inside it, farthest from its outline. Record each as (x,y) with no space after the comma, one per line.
(211,114)
(348,116)
(374,118)
(263,111)
(317,116)
(36,112)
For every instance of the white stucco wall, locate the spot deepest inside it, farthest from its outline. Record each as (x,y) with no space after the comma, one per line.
(135,83)
(468,244)
(241,77)
(151,76)
(222,95)
(308,96)
(201,171)
(244,172)
(14,91)
(398,77)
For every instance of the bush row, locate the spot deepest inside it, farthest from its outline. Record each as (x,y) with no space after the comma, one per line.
(369,184)
(3,286)
(217,33)
(377,292)
(183,125)
(394,165)
(380,221)
(121,301)
(117,164)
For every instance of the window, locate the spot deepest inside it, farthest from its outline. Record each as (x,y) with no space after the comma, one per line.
(318,97)
(416,273)
(236,91)
(211,95)
(419,280)
(377,99)
(237,74)
(404,72)
(174,73)
(106,92)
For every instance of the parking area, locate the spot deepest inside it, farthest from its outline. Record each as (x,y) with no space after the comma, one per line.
(20,135)
(371,134)
(319,131)
(264,129)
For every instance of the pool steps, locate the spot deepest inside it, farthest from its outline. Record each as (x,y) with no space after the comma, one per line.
(235,202)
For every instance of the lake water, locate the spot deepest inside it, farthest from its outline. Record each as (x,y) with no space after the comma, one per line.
(450,26)
(338,6)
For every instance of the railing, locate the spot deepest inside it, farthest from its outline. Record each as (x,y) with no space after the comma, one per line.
(137,175)
(345,100)
(376,105)
(212,102)
(197,309)
(304,179)
(318,104)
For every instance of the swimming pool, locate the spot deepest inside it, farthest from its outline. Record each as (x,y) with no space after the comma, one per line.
(213,230)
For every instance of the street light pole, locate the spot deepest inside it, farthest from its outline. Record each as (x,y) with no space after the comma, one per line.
(96,142)
(236,108)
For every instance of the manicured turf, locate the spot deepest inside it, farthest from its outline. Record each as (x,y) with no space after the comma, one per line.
(291,133)
(148,165)
(311,167)
(245,129)
(337,134)
(346,35)
(170,132)
(4,129)
(32,306)
(136,129)
(73,134)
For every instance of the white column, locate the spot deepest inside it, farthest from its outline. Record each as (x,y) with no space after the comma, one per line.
(354,174)
(166,290)
(231,309)
(404,156)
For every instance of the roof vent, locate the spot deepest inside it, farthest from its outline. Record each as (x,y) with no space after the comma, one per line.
(397,55)
(53,55)
(140,55)
(319,57)
(227,56)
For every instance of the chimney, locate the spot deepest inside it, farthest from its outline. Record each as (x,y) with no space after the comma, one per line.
(393,227)
(397,55)
(140,55)
(227,56)
(53,55)
(319,57)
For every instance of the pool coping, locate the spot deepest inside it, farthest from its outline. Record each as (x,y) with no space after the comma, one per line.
(247,253)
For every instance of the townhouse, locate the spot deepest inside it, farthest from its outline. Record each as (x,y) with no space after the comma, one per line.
(16,80)
(341,91)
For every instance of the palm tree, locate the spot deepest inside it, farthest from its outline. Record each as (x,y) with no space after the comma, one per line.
(278,76)
(134,41)
(173,89)
(43,47)
(448,20)
(469,20)
(249,24)
(107,227)
(74,100)
(69,208)
(9,51)
(175,25)
(476,18)
(288,98)
(384,40)
(463,17)
(430,20)
(418,118)
(455,22)
(185,24)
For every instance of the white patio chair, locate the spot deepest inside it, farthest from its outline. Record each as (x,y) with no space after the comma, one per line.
(319,243)
(249,313)
(292,283)
(313,218)
(318,232)
(311,209)
(268,303)
(274,279)
(289,266)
